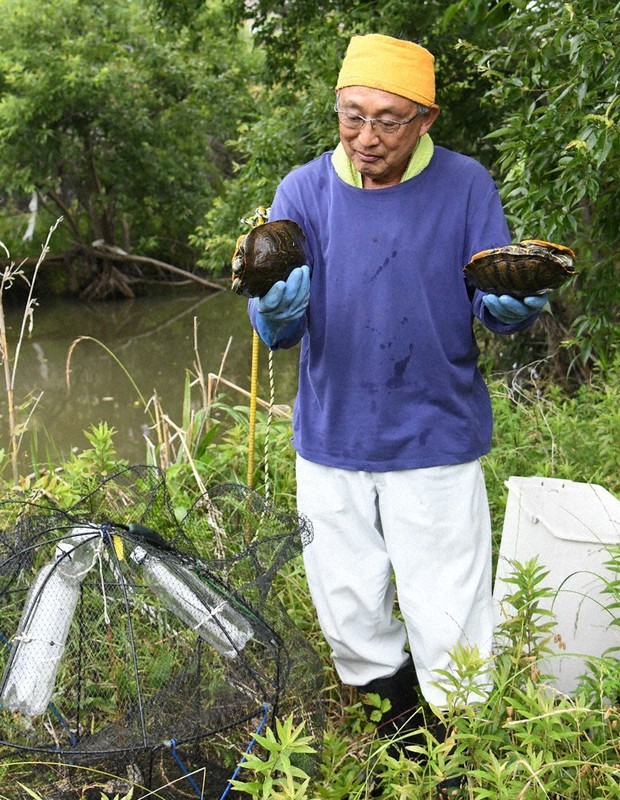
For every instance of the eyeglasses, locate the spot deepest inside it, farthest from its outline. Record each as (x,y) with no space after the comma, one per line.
(356,122)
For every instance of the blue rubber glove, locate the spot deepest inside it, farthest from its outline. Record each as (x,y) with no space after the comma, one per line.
(510,310)
(284,303)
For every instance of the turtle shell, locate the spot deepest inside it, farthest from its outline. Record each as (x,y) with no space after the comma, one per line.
(268,253)
(526,268)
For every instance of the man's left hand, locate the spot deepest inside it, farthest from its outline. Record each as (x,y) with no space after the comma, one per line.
(510,310)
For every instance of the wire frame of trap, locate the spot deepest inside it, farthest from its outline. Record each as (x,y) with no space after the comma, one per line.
(134,642)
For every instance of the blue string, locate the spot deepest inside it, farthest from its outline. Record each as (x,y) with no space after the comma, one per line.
(249,747)
(72,737)
(172,744)
(173,749)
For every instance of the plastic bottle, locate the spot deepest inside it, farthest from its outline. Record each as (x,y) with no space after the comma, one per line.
(194,603)
(38,645)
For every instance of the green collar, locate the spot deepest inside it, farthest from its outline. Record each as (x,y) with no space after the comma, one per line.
(420,159)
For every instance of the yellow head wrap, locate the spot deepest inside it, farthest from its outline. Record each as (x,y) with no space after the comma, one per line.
(393,65)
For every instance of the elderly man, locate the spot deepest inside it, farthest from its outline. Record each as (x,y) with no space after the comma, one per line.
(392,414)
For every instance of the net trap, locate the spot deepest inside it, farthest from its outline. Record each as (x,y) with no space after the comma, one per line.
(124,649)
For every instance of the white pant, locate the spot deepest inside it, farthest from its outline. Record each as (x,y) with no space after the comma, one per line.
(431,529)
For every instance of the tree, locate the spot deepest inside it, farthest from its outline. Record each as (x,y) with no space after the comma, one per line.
(119,122)
(554,72)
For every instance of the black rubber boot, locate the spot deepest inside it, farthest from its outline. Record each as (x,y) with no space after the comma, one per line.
(404,716)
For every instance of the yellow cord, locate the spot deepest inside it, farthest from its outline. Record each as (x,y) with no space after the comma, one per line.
(253,396)
(259,217)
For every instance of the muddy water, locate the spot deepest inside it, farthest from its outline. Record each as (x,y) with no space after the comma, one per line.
(135,348)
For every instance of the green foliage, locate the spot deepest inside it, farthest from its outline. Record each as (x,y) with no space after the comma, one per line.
(233,447)
(117,118)
(612,588)
(380,706)
(128,113)
(527,631)
(554,71)
(82,472)
(304,44)
(104,796)
(221,455)
(548,741)
(292,124)
(276,775)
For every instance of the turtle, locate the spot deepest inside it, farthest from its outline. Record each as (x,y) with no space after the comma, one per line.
(268,253)
(522,269)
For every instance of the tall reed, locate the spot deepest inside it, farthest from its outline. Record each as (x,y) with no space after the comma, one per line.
(10,275)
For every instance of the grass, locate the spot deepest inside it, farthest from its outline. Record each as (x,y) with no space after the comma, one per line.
(10,360)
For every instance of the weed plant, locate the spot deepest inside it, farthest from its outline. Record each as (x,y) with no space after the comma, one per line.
(18,413)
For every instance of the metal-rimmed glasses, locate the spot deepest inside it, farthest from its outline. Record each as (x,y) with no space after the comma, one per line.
(356,122)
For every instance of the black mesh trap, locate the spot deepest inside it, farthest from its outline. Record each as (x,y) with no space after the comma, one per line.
(122,646)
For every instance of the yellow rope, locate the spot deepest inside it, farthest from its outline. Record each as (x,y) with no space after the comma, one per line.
(260,216)
(253,396)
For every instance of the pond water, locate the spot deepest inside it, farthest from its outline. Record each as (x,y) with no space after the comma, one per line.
(148,342)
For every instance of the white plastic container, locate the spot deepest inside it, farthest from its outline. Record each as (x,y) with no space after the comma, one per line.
(39,643)
(569,527)
(195,604)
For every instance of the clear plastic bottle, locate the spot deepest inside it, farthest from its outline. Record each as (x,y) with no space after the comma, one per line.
(38,645)
(195,604)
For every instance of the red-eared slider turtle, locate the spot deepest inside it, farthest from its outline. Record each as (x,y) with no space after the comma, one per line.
(526,268)
(267,254)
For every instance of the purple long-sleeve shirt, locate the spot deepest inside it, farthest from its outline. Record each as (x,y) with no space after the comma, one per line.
(388,375)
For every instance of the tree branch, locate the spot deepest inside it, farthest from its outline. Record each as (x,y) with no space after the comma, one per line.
(66,213)
(112,255)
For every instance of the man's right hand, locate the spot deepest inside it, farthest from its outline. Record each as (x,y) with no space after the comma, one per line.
(287,300)
(283,304)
